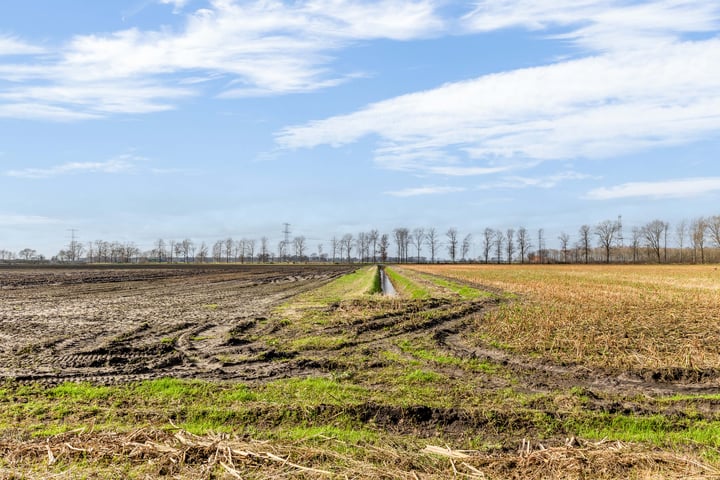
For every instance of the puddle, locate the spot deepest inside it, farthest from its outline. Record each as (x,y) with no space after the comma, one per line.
(386,285)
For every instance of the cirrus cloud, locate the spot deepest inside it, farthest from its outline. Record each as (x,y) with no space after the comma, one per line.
(248,48)
(678,188)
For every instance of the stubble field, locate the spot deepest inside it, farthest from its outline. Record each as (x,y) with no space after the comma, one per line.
(308,372)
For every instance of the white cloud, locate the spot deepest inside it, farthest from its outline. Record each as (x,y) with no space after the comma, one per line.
(600,24)
(257,48)
(597,107)
(544,181)
(178,5)
(413,192)
(641,84)
(13,46)
(688,187)
(120,164)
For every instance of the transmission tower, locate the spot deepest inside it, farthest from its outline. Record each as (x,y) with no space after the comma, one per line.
(286,233)
(286,240)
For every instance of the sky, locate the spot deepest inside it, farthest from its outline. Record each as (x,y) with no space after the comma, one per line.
(135,120)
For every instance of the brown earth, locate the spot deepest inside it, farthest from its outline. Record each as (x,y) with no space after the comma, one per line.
(111,325)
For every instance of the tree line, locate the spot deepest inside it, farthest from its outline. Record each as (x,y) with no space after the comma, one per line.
(689,241)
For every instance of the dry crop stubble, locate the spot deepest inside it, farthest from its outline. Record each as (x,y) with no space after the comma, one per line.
(653,320)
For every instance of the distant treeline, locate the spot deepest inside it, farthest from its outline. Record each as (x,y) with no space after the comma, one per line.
(689,241)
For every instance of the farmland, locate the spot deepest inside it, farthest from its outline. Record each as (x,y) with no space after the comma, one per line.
(307,371)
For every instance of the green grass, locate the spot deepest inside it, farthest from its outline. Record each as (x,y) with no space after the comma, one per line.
(353,285)
(377,282)
(464,291)
(80,392)
(657,430)
(405,286)
(312,391)
(319,343)
(422,376)
(347,435)
(293,408)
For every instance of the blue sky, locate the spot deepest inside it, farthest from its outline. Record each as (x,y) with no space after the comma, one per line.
(134,120)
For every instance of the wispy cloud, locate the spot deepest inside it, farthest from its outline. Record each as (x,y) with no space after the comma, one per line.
(256,48)
(687,187)
(610,101)
(19,220)
(13,46)
(540,181)
(600,25)
(178,5)
(120,164)
(414,192)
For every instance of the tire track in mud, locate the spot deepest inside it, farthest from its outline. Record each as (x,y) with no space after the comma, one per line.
(214,324)
(165,326)
(546,376)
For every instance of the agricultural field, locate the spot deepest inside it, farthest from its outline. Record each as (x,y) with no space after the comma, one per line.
(308,371)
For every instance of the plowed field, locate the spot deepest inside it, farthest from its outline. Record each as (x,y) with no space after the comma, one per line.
(108,325)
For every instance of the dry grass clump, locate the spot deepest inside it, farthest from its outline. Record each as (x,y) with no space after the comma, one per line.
(180,454)
(660,320)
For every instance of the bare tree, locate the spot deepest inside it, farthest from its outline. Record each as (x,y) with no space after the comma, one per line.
(90,249)
(101,251)
(239,248)
(499,242)
(299,244)
(384,245)
(250,246)
(433,241)
(132,252)
(584,241)
(229,243)
(362,245)
(510,244)
(178,250)
(171,249)
(523,243)
(465,246)
(202,253)
(487,243)
(652,233)
(264,250)
(451,235)
(160,249)
(418,238)
(564,242)
(402,241)
(27,254)
(217,251)
(347,242)
(698,229)
(607,232)
(373,238)
(186,246)
(334,244)
(713,228)
(681,233)
(282,250)
(637,234)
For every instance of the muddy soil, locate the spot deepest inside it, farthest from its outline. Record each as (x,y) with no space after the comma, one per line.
(114,325)
(111,325)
